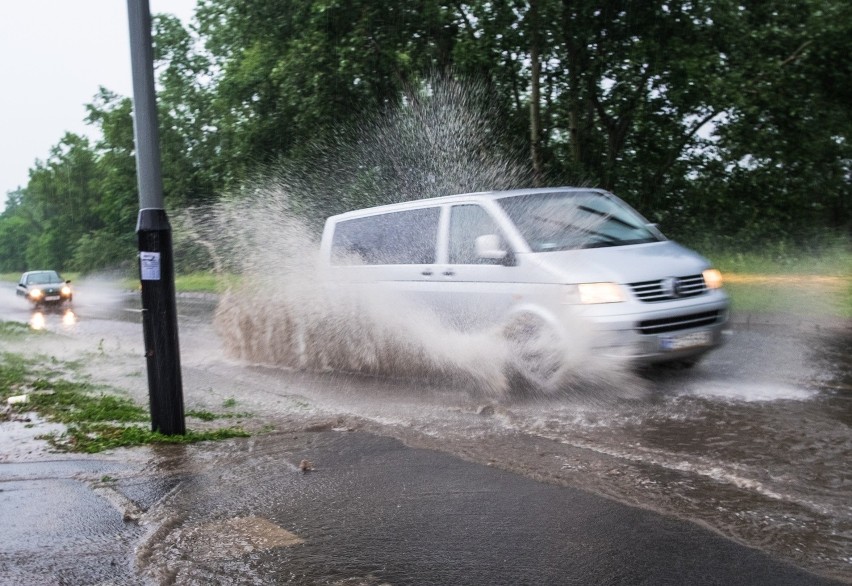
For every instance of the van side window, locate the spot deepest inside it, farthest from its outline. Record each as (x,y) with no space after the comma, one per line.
(467,222)
(406,237)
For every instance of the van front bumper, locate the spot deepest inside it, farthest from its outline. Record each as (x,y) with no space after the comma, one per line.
(670,331)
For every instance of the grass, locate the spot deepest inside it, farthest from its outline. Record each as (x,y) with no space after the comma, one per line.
(14,330)
(92,438)
(833,260)
(15,277)
(818,285)
(778,280)
(95,418)
(197,283)
(815,296)
(200,282)
(203,415)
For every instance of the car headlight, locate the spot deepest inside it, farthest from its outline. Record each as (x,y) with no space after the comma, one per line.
(66,291)
(588,293)
(36,293)
(712,278)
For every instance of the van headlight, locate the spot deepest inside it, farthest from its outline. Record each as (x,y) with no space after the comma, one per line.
(712,278)
(588,293)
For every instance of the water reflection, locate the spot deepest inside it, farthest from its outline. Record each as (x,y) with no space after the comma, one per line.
(69,318)
(38,320)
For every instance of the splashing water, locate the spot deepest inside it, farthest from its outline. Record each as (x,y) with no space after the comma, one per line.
(282,312)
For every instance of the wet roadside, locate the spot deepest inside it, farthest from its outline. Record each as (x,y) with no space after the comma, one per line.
(330,505)
(372,511)
(59,526)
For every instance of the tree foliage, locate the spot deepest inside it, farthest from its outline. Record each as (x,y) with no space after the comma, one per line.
(722,120)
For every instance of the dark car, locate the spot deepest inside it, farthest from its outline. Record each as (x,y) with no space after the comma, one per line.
(44,288)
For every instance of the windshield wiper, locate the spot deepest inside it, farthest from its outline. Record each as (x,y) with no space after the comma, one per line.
(576,227)
(602,245)
(608,217)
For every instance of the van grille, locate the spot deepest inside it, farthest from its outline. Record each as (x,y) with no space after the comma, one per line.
(679,322)
(672,288)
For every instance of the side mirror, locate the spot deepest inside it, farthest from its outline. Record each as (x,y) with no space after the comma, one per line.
(488,247)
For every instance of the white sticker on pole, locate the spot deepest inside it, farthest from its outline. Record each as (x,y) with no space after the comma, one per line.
(149,262)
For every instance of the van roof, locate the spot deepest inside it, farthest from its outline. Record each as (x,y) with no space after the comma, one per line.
(474,196)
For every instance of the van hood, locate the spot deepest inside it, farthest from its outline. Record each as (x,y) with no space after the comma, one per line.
(622,264)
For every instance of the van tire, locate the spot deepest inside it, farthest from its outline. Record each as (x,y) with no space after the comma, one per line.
(687,363)
(536,354)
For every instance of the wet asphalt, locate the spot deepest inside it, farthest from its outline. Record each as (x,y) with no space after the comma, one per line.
(340,507)
(371,511)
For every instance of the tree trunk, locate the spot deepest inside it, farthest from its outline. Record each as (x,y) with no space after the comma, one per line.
(535,92)
(573,67)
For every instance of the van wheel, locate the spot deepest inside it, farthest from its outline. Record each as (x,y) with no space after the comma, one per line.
(536,361)
(680,364)
(688,363)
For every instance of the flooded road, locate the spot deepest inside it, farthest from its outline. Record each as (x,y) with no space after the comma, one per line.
(754,442)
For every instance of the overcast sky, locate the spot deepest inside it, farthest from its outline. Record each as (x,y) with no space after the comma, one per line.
(54,54)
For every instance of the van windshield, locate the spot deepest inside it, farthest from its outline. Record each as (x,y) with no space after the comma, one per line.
(569,220)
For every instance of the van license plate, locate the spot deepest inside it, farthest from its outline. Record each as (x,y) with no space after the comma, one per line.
(52,298)
(686,341)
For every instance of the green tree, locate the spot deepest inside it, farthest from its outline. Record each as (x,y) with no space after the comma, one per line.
(15,233)
(112,242)
(781,166)
(190,133)
(59,202)
(710,116)
(290,73)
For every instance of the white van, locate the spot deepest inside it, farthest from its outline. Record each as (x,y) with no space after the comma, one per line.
(533,262)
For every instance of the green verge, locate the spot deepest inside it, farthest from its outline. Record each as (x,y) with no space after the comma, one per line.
(776,280)
(95,418)
(818,285)
(811,288)
(803,296)
(92,438)
(200,282)
(13,277)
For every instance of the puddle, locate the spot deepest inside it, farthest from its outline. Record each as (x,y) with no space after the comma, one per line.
(19,433)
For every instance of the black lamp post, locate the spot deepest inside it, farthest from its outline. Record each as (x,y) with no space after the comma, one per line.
(156,262)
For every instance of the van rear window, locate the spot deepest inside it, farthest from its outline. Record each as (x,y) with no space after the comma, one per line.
(405,237)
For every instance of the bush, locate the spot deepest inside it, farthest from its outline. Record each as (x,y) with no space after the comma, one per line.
(102,249)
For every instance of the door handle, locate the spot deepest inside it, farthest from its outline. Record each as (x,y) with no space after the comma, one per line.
(448,273)
(426,273)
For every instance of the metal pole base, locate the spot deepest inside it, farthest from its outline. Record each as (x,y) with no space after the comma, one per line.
(159,322)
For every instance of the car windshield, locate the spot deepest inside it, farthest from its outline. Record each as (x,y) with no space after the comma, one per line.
(43,278)
(569,220)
